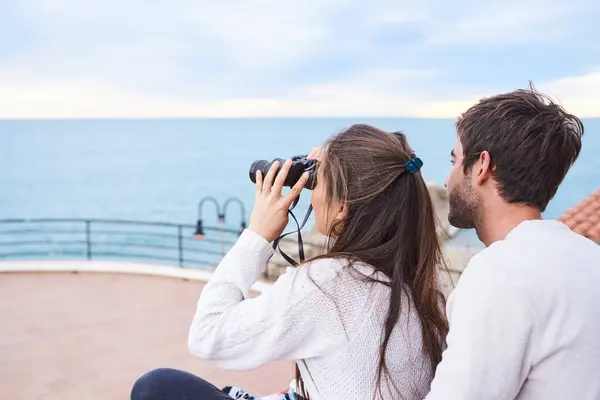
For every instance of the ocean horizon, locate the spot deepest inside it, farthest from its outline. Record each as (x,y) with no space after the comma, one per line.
(159,169)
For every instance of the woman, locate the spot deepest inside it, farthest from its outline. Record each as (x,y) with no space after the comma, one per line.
(362,321)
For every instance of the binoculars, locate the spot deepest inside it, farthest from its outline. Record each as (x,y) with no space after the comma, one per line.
(300,165)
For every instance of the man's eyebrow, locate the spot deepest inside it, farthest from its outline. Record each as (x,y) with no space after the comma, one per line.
(452,153)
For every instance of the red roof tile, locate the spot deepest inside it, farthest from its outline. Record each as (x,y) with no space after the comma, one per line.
(584,218)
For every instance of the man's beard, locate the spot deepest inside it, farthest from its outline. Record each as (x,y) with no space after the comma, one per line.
(464,207)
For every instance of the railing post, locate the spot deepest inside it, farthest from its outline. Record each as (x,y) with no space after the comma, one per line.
(88,239)
(180,237)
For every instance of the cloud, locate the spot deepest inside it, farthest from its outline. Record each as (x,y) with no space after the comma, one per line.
(378,92)
(254,34)
(578,94)
(85,100)
(508,22)
(372,93)
(233,58)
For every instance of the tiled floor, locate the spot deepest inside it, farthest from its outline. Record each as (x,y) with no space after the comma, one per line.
(89,336)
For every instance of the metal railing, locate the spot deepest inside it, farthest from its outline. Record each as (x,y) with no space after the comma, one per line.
(141,241)
(159,242)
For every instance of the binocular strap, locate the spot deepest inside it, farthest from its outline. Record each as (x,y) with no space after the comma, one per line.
(300,243)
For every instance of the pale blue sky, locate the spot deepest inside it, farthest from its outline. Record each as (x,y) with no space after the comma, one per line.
(145,58)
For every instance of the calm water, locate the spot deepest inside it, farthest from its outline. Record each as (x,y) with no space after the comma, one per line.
(158,170)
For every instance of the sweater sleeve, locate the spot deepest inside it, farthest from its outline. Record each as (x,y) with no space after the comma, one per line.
(293,319)
(489,345)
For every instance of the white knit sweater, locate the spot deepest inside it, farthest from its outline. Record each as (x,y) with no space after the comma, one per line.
(525,320)
(333,330)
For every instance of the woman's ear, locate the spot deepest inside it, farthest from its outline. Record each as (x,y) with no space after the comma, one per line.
(342,212)
(339,220)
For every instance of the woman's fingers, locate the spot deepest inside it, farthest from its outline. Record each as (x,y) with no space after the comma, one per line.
(296,189)
(259,181)
(281,175)
(268,182)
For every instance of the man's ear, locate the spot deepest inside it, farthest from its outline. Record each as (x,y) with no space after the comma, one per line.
(483,169)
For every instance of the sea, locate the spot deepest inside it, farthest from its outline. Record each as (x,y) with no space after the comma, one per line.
(161,169)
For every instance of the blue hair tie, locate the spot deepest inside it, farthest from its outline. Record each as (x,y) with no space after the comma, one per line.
(414,165)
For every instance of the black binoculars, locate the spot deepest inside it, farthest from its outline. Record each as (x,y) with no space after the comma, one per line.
(300,165)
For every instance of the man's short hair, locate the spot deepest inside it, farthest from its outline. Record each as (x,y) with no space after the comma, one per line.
(532,142)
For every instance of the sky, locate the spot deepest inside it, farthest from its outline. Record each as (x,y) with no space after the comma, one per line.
(305,58)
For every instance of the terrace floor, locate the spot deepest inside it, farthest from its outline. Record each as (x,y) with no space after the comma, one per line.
(91,335)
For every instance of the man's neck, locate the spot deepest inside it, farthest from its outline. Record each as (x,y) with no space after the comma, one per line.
(497,222)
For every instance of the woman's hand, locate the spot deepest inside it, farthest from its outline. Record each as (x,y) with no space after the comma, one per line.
(270,215)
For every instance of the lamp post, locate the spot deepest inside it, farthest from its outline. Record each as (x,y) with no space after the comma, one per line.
(242,210)
(199,234)
(199,227)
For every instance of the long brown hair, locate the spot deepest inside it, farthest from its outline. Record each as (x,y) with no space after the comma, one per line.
(390,225)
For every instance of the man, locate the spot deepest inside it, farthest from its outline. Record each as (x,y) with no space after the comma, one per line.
(525,315)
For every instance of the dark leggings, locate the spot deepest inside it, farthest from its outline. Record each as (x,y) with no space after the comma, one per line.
(172,384)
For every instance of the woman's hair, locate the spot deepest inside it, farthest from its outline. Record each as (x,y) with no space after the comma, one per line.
(390,225)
